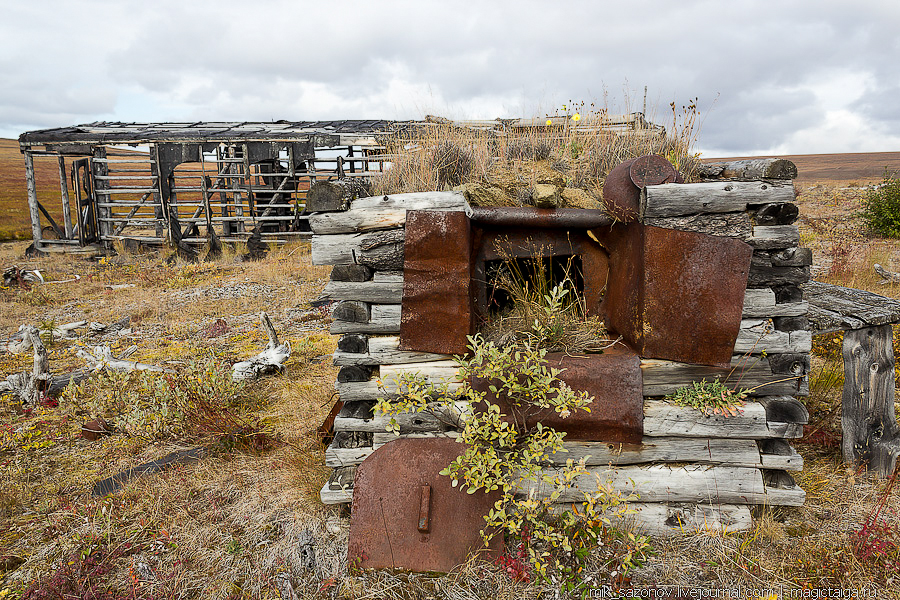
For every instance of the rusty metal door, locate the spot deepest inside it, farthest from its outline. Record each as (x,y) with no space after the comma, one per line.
(407,516)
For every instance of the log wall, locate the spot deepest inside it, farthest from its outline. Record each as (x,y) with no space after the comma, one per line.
(691,468)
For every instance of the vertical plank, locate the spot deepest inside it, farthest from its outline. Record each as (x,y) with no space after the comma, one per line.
(64,195)
(101,193)
(870,431)
(32,200)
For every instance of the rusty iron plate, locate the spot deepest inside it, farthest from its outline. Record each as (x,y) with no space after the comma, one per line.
(407,516)
(676,295)
(436,314)
(621,197)
(613,378)
(623,185)
(651,169)
(693,295)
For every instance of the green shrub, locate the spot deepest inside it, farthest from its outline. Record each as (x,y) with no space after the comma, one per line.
(881,208)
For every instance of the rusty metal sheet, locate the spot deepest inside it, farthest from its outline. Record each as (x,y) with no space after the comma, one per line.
(556,218)
(407,516)
(676,295)
(437,313)
(651,169)
(693,295)
(613,378)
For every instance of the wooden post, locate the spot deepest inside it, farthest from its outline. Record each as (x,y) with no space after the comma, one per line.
(870,431)
(64,194)
(101,193)
(32,200)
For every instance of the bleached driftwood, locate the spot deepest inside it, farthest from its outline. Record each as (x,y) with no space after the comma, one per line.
(268,361)
(19,342)
(673,199)
(101,357)
(31,387)
(889,276)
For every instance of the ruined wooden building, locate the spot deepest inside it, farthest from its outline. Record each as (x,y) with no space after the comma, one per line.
(701,280)
(154,183)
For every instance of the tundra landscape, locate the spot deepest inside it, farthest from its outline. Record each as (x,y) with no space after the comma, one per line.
(239,515)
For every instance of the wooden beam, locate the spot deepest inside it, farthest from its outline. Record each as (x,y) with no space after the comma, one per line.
(32,200)
(673,199)
(64,195)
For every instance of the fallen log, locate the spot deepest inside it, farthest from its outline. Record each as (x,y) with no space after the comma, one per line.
(889,276)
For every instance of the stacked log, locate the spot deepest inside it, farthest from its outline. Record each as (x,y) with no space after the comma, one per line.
(692,469)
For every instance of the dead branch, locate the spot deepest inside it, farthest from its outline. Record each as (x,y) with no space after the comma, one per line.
(889,276)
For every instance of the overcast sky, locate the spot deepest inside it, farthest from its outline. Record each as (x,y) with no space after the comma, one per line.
(770,77)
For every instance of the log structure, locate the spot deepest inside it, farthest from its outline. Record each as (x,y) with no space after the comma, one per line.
(691,470)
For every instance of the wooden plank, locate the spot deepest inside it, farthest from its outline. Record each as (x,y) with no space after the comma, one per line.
(664,483)
(383,212)
(716,451)
(31,194)
(358,248)
(383,318)
(339,487)
(384,351)
(833,308)
(436,372)
(381,438)
(355,391)
(769,237)
(345,457)
(779,454)
(673,199)
(379,292)
(408,422)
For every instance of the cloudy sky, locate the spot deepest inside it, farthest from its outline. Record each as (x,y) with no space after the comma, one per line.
(769,77)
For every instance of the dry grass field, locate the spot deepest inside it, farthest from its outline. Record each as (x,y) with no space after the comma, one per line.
(240,522)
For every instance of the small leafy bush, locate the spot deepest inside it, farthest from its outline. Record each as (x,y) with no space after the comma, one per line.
(881,208)
(710,397)
(502,453)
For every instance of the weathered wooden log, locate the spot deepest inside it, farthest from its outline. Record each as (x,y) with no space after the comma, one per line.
(790,363)
(734,224)
(339,487)
(767,237)
(385,351)
(750,169)
(380,438)
(662,377)
(351,273)
(833,308)
(779,454)
(781,490)
(31,388)
(760,302)
(768,276)
(354,343)
(383,212)
(791,257)
(351,311)
(673,199)
(784,409)
(790,323)
(101,357)
(788,294)
(784,213)
(664,483)
(870,431)
(335,195)
(677,519)
(663,419)
(380,249)
(356,410)
(756,336)
(732,452)
(888,276)
(407,422)
(383,318)
(354,373)
(378,292)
